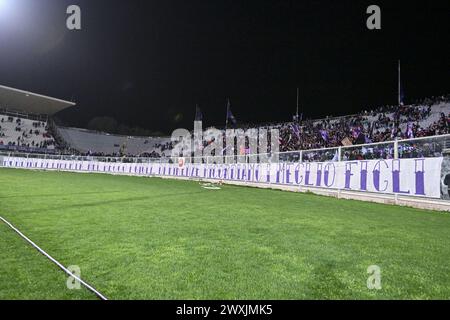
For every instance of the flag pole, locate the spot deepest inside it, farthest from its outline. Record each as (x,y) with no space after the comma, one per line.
(226,121)
(297,103)
(399,84)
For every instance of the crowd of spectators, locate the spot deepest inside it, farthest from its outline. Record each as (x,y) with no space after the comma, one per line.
(382,124)
(379,125)
(35,138)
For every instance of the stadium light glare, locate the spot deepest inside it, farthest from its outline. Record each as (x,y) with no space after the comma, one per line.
(4,4)
(8,7)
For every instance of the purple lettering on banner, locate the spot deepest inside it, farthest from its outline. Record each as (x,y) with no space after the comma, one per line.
(219,172)
(268,173)
(277,173)
(243,173)
(232,169)
(249,169)
(225,173)
(363,177)
(323,174)
(288,174)
(256,173)
(319,175)
(238,172)
(326,174)
(307,174)
(297,177)
(396,177)
(348,173)
(420,176)
(377,176)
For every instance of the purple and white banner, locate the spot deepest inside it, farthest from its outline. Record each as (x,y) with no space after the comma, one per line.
(412,177)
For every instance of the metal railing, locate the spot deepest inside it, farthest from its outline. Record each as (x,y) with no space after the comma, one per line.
(424,147)
(20,114)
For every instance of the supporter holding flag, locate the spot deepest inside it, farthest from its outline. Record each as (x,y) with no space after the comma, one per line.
(296,129)
(324,135)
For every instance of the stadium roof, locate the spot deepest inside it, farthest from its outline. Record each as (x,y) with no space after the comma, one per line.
(28,102)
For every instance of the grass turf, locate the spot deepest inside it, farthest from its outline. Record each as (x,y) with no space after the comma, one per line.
(141,238)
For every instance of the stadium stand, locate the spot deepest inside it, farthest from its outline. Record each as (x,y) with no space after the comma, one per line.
(25,120)
(102,144)
(429,117)
(24,133)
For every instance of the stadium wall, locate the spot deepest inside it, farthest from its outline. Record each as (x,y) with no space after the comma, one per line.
(413,182)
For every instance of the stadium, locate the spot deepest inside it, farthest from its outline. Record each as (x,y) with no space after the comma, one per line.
(354,206)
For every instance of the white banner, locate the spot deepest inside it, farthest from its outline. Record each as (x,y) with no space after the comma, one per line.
(413,177)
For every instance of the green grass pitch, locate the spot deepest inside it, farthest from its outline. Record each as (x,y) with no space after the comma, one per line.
(148,238)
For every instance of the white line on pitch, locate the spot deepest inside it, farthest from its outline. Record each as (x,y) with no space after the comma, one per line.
(88,286)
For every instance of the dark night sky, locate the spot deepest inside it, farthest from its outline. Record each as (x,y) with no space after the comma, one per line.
(144,62)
